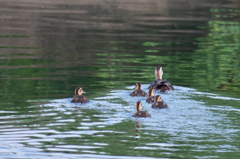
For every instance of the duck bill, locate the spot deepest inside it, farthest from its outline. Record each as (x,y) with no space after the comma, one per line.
(83,92)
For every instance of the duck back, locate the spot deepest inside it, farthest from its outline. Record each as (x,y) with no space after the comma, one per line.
(80,99)
(161,85)
(142,114)
(138,92)
(159,105)
(150,99)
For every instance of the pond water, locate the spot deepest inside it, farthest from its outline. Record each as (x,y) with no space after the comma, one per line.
(48,48)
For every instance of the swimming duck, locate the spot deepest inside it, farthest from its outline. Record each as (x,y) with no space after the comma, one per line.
(79,98)
(138,91)
(151,96)
(140,113)
(159,83)
(159,103)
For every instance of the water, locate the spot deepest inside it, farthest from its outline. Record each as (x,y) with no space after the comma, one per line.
(49,48)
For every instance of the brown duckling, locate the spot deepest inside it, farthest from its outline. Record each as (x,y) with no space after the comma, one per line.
(159,103)
(159,83)
(151,96)
(140,113)
(79,98)
(138,91)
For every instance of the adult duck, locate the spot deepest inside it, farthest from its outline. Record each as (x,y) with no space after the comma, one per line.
(159,83)
(79,98)
(138,91)
(140,113)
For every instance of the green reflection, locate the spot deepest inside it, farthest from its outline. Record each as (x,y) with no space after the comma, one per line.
(217,59)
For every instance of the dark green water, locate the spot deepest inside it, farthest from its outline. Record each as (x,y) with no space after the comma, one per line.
(106,46)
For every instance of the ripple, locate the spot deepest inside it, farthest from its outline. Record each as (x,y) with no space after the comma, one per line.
(186,120)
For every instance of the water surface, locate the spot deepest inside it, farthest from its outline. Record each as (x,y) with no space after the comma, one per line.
(49,48)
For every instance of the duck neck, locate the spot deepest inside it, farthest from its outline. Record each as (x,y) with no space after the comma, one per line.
(150,93)
(158,74)
(139,106)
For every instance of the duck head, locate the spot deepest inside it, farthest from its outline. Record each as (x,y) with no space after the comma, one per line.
(79,91)
(138,86)
(158,72)
(158,98)
(151,92)
(139,105)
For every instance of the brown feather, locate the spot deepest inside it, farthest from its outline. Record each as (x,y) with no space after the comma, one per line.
(159,105)
(161,85)
(80,99)
(150,99)
(138,92)
(142,114)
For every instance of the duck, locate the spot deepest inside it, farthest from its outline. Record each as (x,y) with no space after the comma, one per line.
(138,91)
(159,103)
(159,83)
(140,113)
(79,98)
(151,96)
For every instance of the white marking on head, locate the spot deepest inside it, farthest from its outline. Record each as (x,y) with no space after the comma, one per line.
(79,91)
(76,90)
(158,98)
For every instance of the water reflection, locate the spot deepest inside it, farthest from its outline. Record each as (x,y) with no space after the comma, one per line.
(49,48)
(81,46)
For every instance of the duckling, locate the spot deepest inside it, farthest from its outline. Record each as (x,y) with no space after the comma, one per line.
(151,96)
(159,83)
(138,91)
(159,103)
(79,98)
(140,113)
